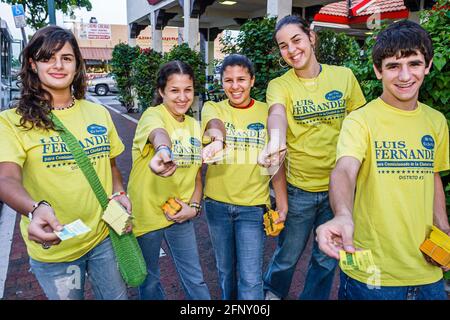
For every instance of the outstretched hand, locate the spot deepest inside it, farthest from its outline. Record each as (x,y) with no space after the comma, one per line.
(272,155)
(42,226)
(211,150)
(335,235)
(162,163)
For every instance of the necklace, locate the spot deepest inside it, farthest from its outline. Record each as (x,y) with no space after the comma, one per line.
(311,85)
(65,108)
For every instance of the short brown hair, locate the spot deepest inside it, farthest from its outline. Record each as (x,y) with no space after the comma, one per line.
(402,39)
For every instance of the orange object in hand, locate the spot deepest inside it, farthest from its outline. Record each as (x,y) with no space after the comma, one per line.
(174,204)
(171,207)
(272,229)
(436,253)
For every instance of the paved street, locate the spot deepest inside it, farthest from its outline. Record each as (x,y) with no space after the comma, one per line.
(21,284)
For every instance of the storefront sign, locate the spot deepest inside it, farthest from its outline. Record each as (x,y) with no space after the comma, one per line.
(95,31)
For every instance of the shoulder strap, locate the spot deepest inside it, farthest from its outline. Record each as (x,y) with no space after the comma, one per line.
(82,160)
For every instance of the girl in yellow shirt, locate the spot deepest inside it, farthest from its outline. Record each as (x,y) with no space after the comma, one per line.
(237,189)
(166,164)
(307,105)
(39,176)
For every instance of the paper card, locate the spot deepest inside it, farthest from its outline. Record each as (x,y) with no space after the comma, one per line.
(117,217)
(359,260)
(72,229)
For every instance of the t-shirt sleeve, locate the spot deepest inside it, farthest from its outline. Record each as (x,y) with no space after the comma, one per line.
(11,147)
(441,162)
(356,98)
(210,111)
(150,121)
(276,94)
(116,144)
(353,139)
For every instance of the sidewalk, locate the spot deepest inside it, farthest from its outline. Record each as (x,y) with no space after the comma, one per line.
(21,284)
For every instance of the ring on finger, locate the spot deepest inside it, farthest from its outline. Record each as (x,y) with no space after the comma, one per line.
(45,245)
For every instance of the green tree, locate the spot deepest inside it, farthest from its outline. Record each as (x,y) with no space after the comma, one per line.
(145,70)
(123,56)
(336,48)
(193,58)
(36,11)
(255,40)
(435,90)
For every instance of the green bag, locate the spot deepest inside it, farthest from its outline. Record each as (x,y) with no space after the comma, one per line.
(129,256)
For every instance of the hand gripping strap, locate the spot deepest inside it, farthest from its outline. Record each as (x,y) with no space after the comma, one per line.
(129,257)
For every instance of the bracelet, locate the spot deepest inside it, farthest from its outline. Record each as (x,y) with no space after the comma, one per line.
(116,194)
(197,206)
(163,146)
(35,206)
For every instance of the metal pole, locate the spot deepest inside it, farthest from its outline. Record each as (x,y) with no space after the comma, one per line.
(24,37)
(51,11)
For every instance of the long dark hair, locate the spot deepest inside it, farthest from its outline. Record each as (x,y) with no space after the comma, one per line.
(168,69)
(300,22)
(35,101)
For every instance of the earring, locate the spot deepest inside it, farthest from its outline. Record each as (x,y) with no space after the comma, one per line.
(34,70)
(284,66)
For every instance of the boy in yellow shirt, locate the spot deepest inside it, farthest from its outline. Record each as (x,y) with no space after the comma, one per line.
(306,108)
(391,151)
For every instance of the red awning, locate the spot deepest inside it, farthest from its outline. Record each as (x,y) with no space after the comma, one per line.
(96,53)
(361,10)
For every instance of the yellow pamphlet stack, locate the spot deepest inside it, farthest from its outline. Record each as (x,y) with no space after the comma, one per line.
(270,227)
(171,207)
(437,246)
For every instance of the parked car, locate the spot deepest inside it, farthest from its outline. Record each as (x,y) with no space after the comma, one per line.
(101,86)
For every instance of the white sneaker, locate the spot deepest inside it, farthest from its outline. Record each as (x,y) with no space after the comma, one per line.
(271,296)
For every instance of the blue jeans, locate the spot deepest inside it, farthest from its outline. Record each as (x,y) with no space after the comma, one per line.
(182,244)
(237,235)
(307,211)
(65,280)
(351,289)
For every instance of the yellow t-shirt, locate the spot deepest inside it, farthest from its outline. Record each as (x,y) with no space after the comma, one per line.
(393,212)
(238,179)
(147,191)
(315,109)
(50,173)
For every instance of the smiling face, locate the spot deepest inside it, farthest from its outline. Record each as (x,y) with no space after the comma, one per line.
(402,78)
(57,73)
(296,47)
(178,94)
(237,83)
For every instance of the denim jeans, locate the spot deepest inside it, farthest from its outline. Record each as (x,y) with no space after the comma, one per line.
(351,289)
(182,244)
(65,280)
(237,235)
(307,210)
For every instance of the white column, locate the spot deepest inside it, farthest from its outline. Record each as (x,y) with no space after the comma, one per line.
(191,27)
(156,34)
(210,57)
(131,41)
(279,8)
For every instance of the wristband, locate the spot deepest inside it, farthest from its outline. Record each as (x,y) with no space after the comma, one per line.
(116,194)
(162,147)
(35,206)
(197,206)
